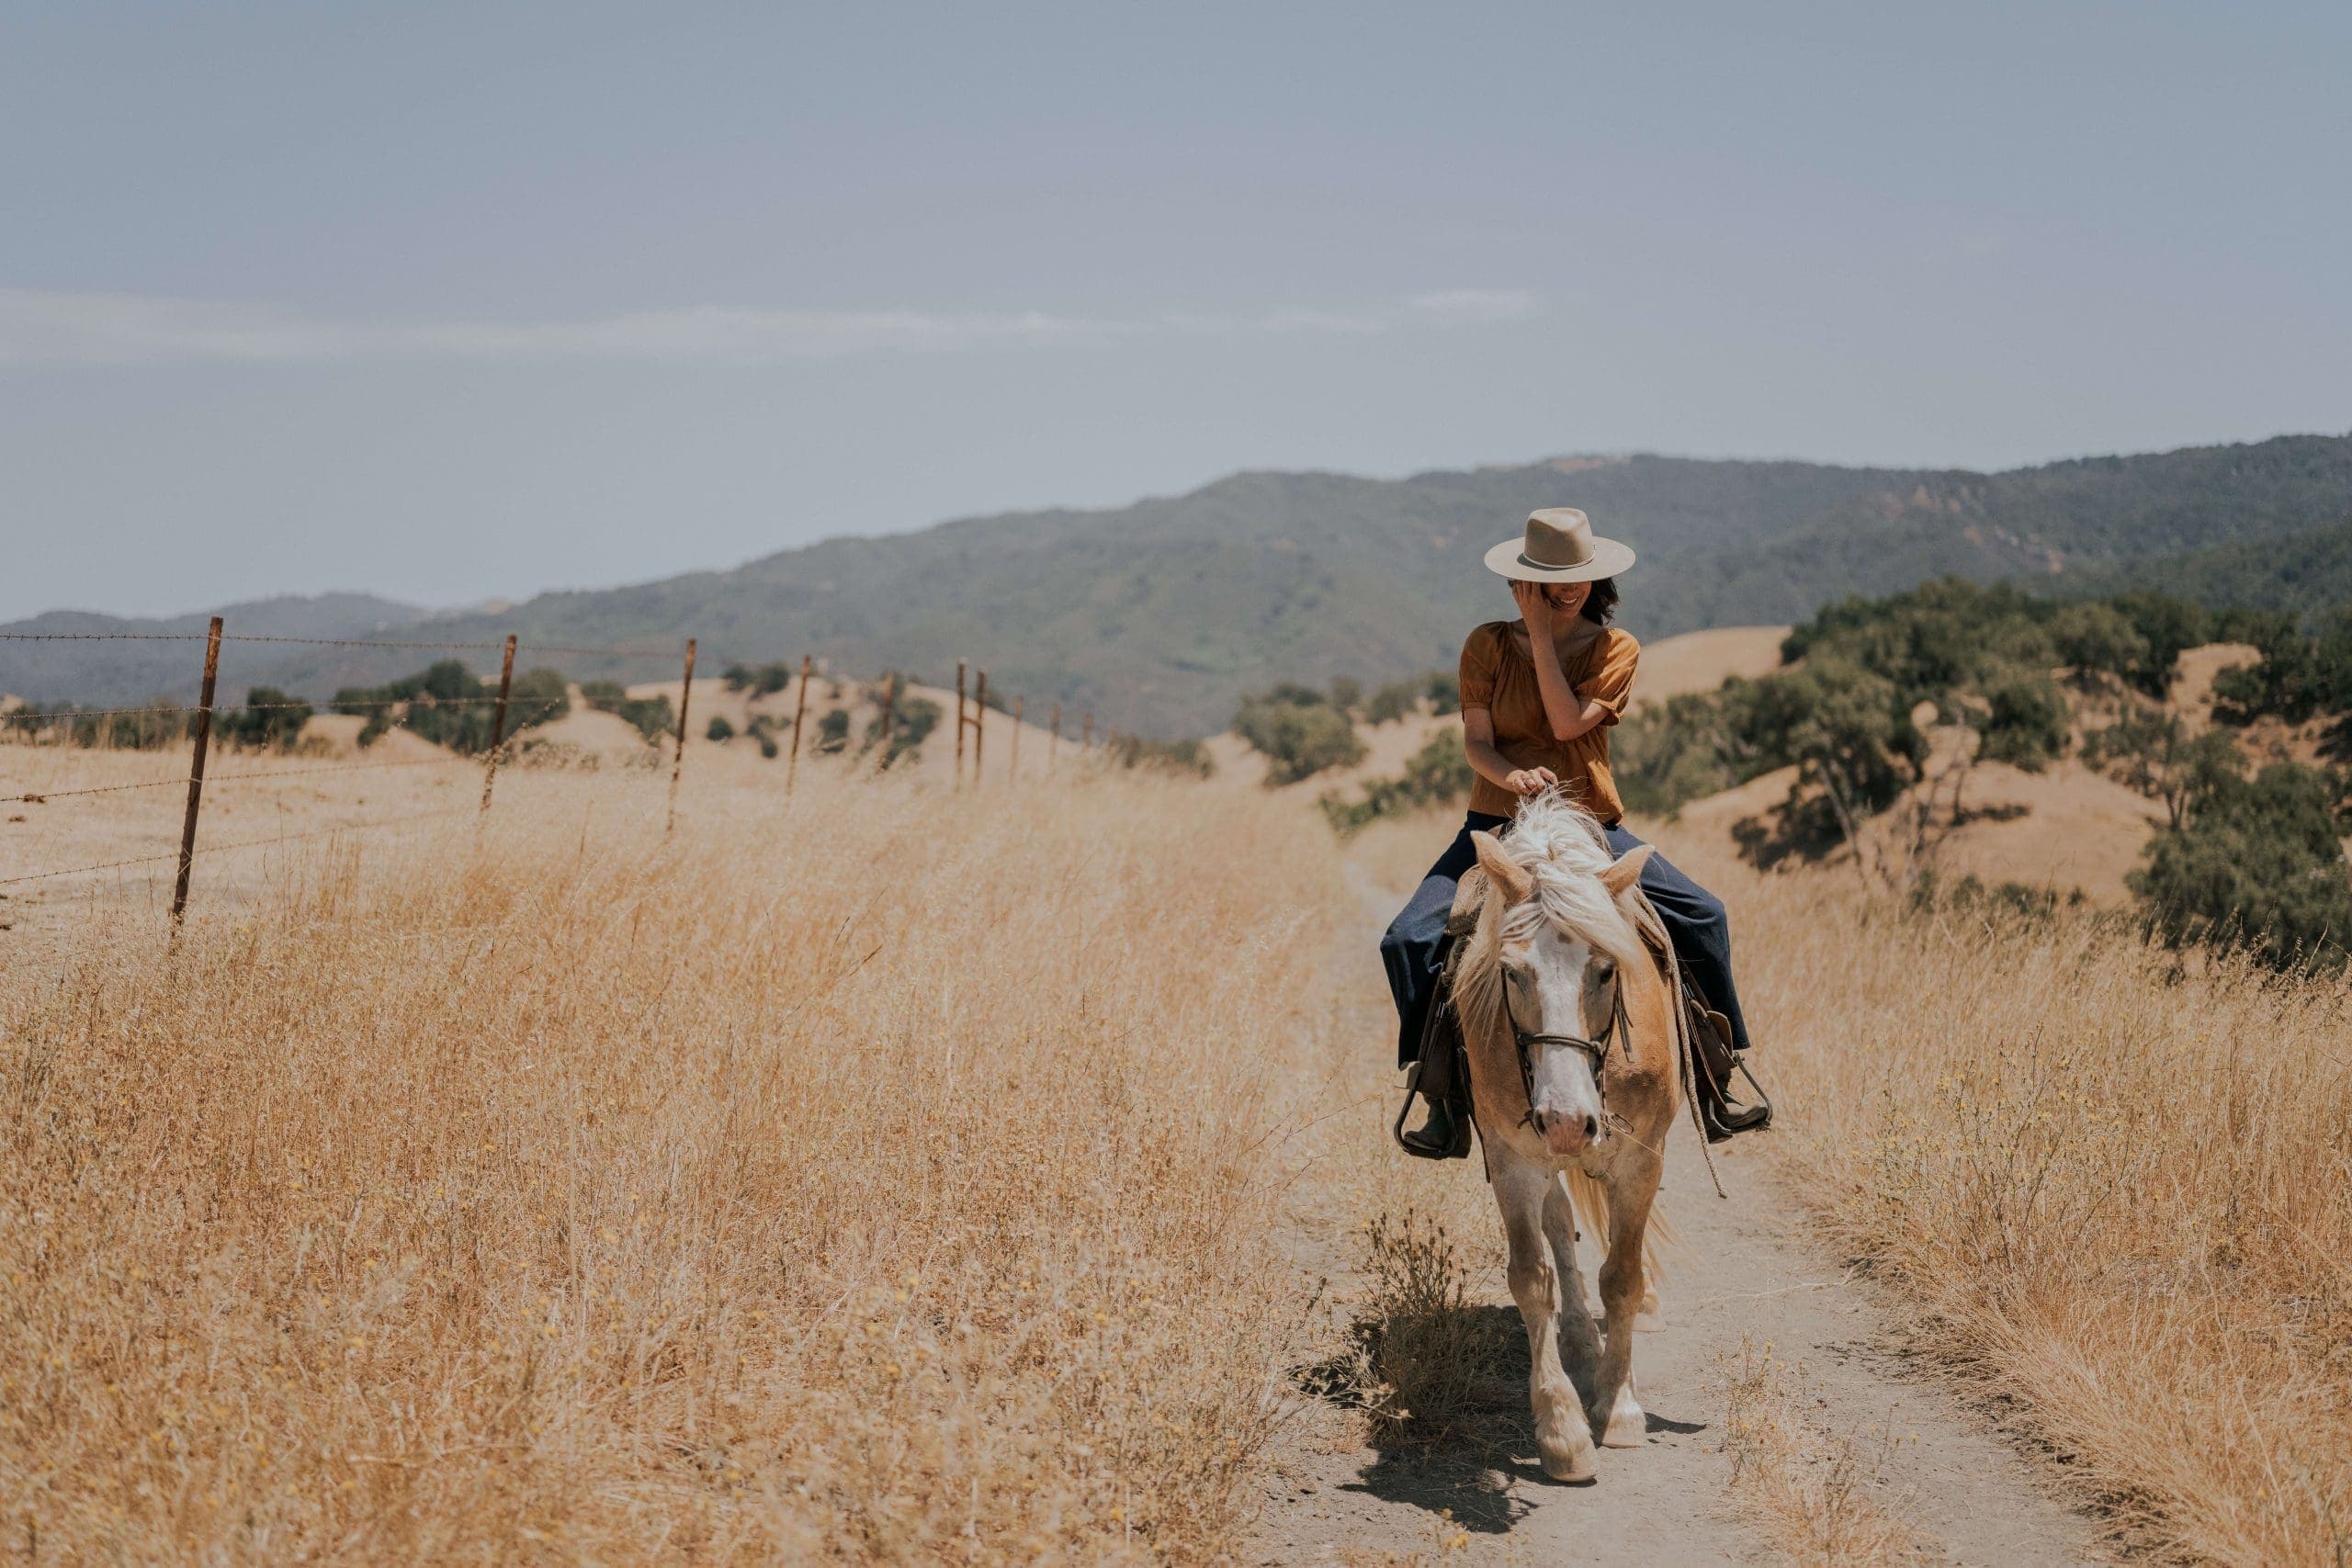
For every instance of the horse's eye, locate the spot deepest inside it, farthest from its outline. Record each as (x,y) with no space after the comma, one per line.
(1604,971)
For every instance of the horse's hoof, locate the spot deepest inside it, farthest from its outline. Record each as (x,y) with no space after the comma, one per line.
(1627,1428)
(1564,1463)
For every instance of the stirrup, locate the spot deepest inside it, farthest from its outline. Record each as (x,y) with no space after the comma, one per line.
(1458,1149)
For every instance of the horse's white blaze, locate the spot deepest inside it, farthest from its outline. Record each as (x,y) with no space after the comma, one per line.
(1552,986)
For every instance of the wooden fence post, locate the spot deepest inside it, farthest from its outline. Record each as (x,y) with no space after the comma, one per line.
(889,713)
(1012,763)
(959,720)
(799,712)
(1087,744)
(979,725)
(498,721)
(678,763)
(196,771)
(1054,737)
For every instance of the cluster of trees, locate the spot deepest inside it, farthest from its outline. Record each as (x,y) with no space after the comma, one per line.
(1185,759)
(1302,731)
(2302,675)
(451,706)
(159,724)
(1847,716)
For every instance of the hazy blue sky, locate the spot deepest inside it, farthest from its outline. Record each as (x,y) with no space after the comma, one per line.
(449,301)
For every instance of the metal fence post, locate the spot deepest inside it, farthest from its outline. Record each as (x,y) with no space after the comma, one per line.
(889,714)
(799,712)
(979,724)
(959,719)
(498,721)
(196,771)
(678,763)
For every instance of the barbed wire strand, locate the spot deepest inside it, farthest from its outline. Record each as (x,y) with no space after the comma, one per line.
(103,636)
(246,844)
(22,718)
(42,797)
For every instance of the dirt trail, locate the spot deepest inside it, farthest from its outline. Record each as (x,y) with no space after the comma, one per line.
(1968,1498)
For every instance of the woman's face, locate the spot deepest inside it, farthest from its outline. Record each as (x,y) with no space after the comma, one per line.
(1566,598)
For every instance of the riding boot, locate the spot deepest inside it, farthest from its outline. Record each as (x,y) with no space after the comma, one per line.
(1722,1116)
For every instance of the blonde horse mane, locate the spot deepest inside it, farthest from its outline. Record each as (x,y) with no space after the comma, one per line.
(1560,844)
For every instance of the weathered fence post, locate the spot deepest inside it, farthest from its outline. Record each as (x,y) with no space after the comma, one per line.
(1054,738)
(1012,763)
(959,719)
(678,763)
(1087,744)
(979,724)
(196,771)
(799,712)
(889,713)
(498,721)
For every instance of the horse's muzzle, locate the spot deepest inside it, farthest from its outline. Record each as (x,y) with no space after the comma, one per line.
(1568,1132)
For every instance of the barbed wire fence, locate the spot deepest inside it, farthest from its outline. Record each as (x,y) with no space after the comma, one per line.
(158,723)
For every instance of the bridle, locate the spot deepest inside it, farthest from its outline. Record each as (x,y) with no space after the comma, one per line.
(1595,1050)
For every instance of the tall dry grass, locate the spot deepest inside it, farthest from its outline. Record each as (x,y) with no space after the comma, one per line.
(886,1177)
(2118,1194)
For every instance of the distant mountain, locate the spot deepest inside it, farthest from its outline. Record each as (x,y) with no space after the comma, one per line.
(2303,574)
(113,671)
(1158,615)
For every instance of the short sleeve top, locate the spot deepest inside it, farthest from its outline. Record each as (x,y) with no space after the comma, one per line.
(1499,675)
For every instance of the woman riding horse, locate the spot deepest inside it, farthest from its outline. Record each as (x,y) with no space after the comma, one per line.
(1538,696)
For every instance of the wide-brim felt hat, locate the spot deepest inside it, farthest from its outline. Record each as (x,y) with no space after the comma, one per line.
(1559,547)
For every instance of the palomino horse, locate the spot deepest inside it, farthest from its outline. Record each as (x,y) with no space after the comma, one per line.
(1575,1056)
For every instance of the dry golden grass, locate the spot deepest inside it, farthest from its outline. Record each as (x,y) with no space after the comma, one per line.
(2119,1195)
(1812,1489)
(882,1177)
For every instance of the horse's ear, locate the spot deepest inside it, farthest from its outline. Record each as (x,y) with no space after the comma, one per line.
(1513,880)
(1627,871)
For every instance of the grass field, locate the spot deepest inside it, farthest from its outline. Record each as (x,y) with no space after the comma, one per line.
(892,1174)
(883,1177)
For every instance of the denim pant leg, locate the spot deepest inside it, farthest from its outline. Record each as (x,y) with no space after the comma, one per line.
(1701,931)
(1413,949)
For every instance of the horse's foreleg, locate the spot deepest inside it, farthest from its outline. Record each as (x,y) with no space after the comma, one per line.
(1577,1337)
(1622,1425)
(1562,1435)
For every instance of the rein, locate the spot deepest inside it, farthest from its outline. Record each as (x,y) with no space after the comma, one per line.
(1595,1050)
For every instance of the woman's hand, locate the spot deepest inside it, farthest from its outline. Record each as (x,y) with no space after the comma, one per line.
(1531,780)
(1534,607)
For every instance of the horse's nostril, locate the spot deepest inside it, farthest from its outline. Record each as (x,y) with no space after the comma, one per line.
(1591,1129)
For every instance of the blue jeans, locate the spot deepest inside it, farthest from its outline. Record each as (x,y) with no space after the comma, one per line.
(1414,948)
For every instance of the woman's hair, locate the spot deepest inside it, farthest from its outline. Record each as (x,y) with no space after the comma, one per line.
(1600,604)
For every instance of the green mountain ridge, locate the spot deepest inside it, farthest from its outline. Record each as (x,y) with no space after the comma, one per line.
(1157,616)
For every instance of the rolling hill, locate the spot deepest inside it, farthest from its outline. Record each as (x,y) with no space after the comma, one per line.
(1157,616)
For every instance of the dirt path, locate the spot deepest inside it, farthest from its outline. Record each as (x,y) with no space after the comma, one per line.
(1965,1497)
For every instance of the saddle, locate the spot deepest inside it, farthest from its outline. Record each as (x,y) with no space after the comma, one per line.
(1442,1073)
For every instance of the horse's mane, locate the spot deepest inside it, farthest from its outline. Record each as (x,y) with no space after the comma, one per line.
(1562,846)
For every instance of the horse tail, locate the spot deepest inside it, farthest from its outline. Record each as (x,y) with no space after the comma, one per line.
(1658,1238)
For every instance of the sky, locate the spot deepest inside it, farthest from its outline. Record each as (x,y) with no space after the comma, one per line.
(452,302)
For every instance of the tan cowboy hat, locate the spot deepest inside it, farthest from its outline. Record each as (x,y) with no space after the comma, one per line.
(1560,547)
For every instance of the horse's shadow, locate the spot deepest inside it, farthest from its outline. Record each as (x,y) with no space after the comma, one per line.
(1469,1447)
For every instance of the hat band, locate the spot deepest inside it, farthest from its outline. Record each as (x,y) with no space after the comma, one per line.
(1526,559)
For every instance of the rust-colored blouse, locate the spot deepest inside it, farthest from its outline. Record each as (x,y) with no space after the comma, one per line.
(1497,675)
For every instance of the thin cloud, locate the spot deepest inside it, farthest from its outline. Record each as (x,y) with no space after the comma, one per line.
(1478,304)
(39,327)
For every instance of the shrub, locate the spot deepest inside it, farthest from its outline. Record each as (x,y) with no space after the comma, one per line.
(1445,691)
(650,717)
(1187,759)
(269,719)
(1392,702)
(1435,775)
(2256,865)
(539,696)
(719,730)
(832,731)
(1299,733)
